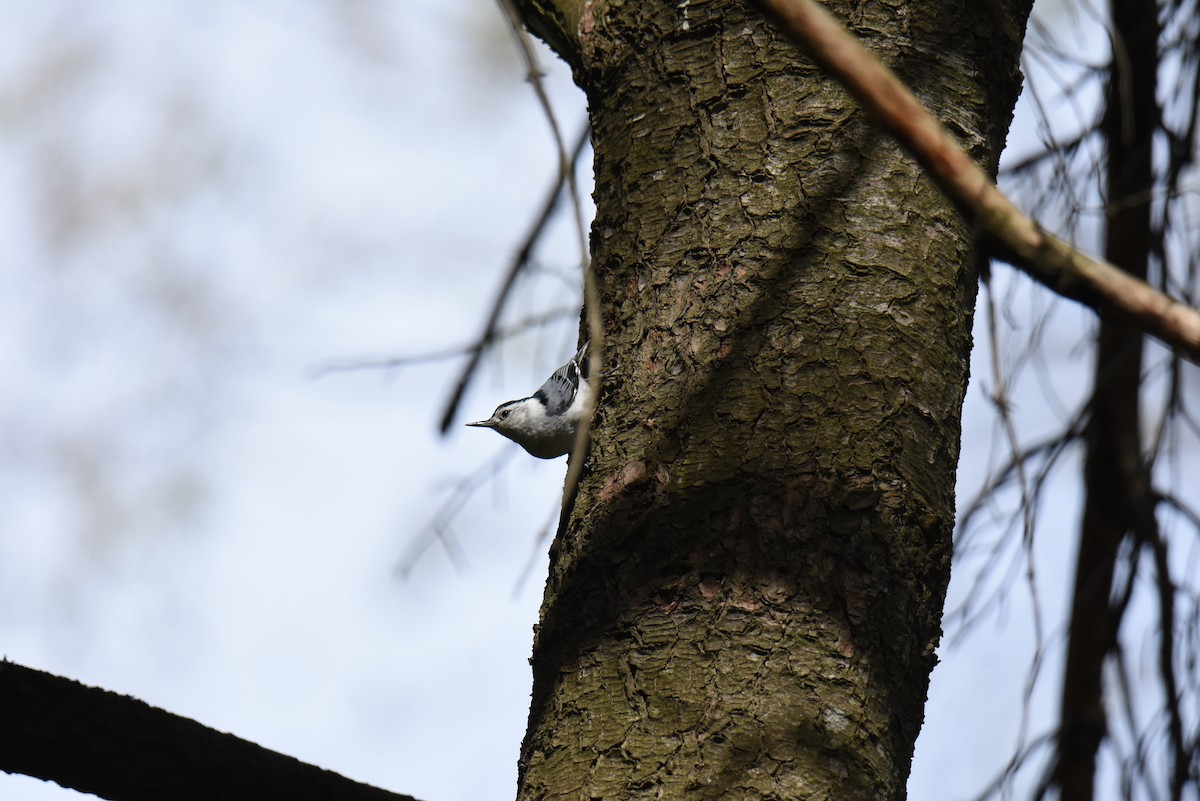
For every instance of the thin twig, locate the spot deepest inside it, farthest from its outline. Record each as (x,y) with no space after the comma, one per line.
(396,362)
(1003,408)
(438,528)
(516,267)
(591,294)
(535,550)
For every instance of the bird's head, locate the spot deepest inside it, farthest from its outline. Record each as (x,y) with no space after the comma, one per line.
(516,419)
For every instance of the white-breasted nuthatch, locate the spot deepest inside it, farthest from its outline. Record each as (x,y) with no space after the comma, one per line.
(545,423)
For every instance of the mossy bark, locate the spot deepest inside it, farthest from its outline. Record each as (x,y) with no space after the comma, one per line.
(746,599)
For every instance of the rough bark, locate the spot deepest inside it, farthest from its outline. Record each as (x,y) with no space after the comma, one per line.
(746,599)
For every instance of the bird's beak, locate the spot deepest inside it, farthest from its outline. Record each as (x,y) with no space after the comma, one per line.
(482,423)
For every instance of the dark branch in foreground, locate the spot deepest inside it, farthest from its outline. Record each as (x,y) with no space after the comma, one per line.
(1016,238)
(123,749)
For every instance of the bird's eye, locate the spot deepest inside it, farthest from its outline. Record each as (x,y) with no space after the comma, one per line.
(505,413)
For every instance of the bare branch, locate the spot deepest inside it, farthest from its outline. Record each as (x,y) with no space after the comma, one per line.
(396,362)
(438,529)
(120,748)
(591,292)
(518,265)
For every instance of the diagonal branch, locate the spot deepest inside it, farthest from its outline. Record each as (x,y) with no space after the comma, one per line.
(591,291)
(518,264)
(1017,239)
(123,749)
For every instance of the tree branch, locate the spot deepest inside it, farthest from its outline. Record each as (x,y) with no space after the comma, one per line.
(519,263)
(1018,239)
(123,749)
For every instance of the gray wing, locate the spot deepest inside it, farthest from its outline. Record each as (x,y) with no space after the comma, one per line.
(559,390)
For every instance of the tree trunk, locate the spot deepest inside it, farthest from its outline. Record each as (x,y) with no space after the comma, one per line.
(746,599)
(1117,499)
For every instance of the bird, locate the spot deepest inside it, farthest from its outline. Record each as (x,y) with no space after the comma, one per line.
(544,424)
